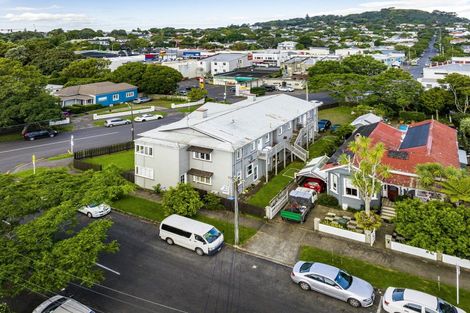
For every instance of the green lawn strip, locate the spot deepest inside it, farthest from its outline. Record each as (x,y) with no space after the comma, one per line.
(275,185)
(124,160)
(154,211)
(11,137)
(60,157)
(337,115)
(140,207)
(227,228)
(321,146)
(188,109)
(382,278)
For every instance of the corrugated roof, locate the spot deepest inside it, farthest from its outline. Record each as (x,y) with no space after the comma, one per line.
(94,89)
(224,57)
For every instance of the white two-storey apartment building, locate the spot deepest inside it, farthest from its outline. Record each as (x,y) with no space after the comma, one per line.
(219,142)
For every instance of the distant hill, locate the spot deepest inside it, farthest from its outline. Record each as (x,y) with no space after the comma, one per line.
(389,17)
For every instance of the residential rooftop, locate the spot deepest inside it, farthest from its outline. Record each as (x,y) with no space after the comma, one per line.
(94,89)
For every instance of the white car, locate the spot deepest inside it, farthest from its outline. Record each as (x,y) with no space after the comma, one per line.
(401,300)
(95,210)
(61,304)
(148,117)
(288,89)
(116,122)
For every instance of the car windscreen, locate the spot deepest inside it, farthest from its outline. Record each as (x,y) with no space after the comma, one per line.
(212,235)
(444,307)
(343,279)
(305,267)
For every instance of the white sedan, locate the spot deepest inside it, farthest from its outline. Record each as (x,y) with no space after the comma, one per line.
(288,89)
(148,117)
(95,210)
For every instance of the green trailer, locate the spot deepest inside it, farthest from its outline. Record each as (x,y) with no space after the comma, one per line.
(301,201)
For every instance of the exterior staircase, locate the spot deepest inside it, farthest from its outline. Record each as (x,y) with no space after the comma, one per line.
(388,210)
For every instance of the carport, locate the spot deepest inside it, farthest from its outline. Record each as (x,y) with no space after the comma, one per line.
(313,169)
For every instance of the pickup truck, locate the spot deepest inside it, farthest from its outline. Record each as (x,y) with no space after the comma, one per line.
(301,201)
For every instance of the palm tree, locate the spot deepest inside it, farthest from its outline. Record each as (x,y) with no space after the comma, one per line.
(457,189)
(366,165)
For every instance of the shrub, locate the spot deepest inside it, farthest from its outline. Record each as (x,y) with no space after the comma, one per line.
(212,202)
(158,189)
(259,91)
(412,116)
(77,109)
(327,200)
(368,222)
(182,200)
(197,94)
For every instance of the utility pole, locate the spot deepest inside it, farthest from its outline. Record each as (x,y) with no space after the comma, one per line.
(306,91)
(132,120)
(457,274)
(235,182)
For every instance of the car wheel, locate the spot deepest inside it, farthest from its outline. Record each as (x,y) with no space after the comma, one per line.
(199,252)
(169,241)
(143,120)
(31,138)
(304,286)
(160,117)
(110,125)
(51,135)
(89,215)
(354,303)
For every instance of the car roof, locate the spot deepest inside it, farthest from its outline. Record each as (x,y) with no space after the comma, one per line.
(187,224)
(420,297)
(325,270)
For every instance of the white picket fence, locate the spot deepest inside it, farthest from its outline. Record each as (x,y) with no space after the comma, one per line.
(423,253)
(124,113)
(60,122)
(368,236)
(187,105)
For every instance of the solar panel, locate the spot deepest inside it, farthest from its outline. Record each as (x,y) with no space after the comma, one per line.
(401,155)
(416,136)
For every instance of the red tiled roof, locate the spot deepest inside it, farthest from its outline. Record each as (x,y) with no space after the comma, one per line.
(440,147)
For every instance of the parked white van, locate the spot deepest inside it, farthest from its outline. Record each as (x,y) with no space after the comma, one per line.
(194,235)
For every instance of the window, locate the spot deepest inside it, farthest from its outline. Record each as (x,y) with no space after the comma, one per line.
(279,131)
(334,183)
(224,63)
(426,310)
(145,172)
(249,170)
(202,156)
(253,146)
(202,180)
(129,94)
(289,125)
(176,231)
(329,281)
(116,97)
(239,154)
(183,178)
(200,239)
(239,177)
(144,150)
(267,138)
(413,307)
(349,189)
(316,277)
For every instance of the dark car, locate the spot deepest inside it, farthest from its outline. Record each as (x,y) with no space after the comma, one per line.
(324,125)
(269,88)
(32,135)
(182,92)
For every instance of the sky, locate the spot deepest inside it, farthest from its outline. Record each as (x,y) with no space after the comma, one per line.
(127,14)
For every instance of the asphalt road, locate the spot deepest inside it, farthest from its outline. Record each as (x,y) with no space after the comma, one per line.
(217,92)
(147,275)
(20,152)
(417,70)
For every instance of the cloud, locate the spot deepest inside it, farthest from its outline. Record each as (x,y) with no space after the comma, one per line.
(23,9)
(46,17)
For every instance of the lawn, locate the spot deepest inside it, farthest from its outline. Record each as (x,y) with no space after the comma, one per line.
(322,146)
(338,115)
(154,211)
(275,185)
(60,157)
(11,137)
(124,160)
(382,278)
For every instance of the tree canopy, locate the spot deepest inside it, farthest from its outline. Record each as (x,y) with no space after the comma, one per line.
(182,199)
(160,79)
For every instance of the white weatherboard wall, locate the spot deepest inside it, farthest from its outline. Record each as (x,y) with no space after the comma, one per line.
(186,105)
(453,260)
(400,247)
(125,113)
(341,232)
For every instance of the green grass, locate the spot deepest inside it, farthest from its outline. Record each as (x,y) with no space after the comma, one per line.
(154,211)
(124,160)
(275,185)
(60,157)
(338,115)
(141,207)
(11,137)
(188,109)
(382,278)
(322,146)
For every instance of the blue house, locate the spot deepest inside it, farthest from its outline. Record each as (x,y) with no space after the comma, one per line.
(104,93)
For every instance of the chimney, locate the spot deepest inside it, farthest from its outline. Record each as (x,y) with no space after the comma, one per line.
(200,113)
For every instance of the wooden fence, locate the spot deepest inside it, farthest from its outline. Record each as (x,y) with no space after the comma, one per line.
(93,152)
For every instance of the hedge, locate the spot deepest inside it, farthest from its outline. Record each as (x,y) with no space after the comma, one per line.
(412,116)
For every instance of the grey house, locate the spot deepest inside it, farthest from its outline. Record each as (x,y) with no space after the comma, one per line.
(219,142)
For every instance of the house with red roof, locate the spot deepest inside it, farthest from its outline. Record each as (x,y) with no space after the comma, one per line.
(423,142)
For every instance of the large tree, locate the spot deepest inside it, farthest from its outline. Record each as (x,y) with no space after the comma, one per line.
(22,96)
(367,169)
(41,247)
(459,86)
(86,71)
(160,79)
(435,100)
(364,65)
(435,226)
(130,73)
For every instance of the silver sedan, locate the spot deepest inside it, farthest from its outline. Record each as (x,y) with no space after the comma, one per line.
(333,282)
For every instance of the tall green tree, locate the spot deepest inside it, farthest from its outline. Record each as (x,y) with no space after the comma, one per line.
(131,73)
(435,100)
(160,79)
(85,71)
(366,167)
(458,84)
(364,65)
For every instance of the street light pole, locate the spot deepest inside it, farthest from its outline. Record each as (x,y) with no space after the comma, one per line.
(132,121)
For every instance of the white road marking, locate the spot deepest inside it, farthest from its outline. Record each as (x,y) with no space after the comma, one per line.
(379,309)
(57,142)
(108,269)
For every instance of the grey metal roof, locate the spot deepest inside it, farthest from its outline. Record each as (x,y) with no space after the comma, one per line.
(453,67)
(224,57)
